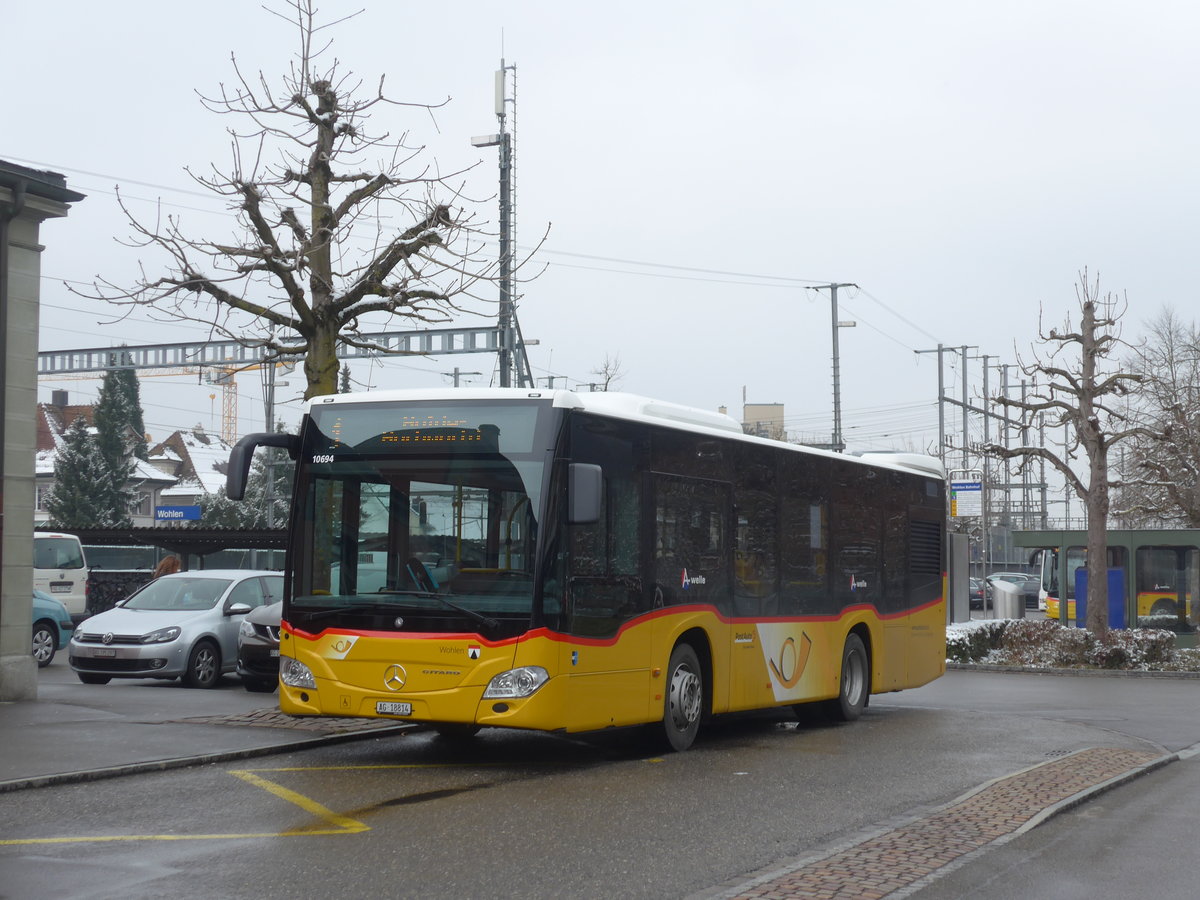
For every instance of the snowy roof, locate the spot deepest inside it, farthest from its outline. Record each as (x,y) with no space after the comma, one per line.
(143,471)
(204,458)
(189,488)
(166,453)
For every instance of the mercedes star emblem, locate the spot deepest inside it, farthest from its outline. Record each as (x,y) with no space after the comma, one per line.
(394,677)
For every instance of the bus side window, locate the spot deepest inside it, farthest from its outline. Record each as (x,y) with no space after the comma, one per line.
(756,543)
(804,536)
(690,541)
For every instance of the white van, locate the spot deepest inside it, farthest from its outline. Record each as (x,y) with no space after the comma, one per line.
(60,569)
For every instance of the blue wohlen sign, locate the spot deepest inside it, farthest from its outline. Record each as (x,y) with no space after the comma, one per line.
(176,513)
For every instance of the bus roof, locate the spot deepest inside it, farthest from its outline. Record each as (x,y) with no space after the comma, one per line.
(639,409)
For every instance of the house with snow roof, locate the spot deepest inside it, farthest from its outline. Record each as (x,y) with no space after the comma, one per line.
(195,460)
(53,420)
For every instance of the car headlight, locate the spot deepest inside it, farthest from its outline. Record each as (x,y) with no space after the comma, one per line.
(246,629)
(294,673)
(516,683)
(162,636)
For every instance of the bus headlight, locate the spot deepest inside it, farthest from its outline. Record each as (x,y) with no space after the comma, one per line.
(294,673)
(516,683)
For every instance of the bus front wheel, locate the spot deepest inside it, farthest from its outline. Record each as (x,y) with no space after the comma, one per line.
(853,683)
(684,700)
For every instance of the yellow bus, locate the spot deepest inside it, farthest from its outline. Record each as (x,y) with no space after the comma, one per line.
(574,562)
(1157,571)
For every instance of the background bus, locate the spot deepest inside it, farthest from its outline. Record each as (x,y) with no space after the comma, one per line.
(571,562)
(1159,570)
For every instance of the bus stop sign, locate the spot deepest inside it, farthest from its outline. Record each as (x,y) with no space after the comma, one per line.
(966,498)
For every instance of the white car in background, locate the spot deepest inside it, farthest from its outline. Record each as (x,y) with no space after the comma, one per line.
(178,626)
(60,569)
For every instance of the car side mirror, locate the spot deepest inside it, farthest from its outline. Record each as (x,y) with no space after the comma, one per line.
(237,609)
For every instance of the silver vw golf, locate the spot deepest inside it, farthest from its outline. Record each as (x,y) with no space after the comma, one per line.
(178,626)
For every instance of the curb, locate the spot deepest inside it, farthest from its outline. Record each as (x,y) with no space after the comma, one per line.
(899,859)
(1082,673)
(1095,790)
(182,762)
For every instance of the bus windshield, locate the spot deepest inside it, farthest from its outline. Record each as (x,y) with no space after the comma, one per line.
(419,518)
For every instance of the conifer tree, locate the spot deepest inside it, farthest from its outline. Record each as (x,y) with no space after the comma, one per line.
(76,501)
(117,437)
(126,381)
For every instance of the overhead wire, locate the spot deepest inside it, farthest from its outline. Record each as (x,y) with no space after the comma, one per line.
(647,268)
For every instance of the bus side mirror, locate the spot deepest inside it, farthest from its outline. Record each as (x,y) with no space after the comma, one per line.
(238,471)
(585,489)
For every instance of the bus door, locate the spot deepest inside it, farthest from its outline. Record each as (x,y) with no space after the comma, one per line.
(607,658)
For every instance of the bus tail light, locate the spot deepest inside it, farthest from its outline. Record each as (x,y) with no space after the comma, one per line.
(516,683)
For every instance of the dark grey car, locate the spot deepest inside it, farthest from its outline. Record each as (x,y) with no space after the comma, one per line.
(258,648)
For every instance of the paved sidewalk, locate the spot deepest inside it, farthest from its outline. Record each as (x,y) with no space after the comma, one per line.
(76,733)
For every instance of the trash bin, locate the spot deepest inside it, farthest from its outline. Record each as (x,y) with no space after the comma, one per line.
(1007,600)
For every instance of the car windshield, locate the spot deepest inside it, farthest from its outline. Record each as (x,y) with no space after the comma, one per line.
(186,593)
(56,553)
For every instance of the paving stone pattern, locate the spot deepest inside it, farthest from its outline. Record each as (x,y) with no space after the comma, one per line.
(273,718)
(890,862)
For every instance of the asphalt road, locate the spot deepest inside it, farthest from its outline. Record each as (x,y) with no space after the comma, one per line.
(529,815)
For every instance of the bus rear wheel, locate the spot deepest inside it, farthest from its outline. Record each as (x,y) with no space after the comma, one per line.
(853,683)
(683,704)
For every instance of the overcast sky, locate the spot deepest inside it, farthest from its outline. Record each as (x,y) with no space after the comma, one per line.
(698,165)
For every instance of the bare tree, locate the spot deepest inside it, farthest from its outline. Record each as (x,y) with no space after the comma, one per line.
(1160,471)
(1073,387)
(610,373)
(339,229)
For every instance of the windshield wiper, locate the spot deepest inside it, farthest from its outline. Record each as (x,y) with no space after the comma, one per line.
(337,610)
(479,617)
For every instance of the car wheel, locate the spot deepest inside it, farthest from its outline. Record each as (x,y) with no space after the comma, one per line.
(854,683)
(45,642)
(684,703)
(93,679)
(260,685)
(204,666)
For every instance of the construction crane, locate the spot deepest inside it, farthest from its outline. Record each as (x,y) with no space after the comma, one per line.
(225,378)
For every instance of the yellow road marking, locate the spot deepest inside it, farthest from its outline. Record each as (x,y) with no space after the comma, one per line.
(340,824)
(330,823)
